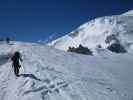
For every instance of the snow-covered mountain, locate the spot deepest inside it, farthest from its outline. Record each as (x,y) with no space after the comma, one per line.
(51,74)
(129,13)
(101,31)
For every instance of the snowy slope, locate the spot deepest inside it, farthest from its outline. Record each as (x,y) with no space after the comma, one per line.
(129,13)
(51,74)
(100,31)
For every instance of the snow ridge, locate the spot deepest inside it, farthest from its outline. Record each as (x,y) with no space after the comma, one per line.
(96,32)
(129,13)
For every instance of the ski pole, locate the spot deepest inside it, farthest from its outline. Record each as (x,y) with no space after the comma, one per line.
(23,67)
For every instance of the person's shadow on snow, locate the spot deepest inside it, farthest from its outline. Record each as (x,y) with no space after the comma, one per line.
(30,76)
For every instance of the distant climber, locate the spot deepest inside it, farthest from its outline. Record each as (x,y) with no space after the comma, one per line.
(7,40)
(16,58)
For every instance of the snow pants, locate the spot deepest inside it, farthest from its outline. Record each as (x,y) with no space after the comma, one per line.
(16,69)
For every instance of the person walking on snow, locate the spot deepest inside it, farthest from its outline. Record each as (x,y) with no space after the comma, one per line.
(16,58)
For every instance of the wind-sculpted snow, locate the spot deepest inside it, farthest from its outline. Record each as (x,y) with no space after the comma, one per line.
(97,31)
(50,74)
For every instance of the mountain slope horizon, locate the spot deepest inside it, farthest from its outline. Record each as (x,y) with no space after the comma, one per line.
(101,31)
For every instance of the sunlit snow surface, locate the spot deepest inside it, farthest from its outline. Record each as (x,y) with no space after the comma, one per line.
(96,32)
(51,74)
(129,13)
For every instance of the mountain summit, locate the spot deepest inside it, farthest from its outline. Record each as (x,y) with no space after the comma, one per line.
(101,31)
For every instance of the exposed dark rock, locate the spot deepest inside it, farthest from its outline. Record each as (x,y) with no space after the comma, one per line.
(81,50)
(117,48)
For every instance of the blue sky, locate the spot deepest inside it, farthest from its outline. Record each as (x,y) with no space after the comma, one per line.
(33,20)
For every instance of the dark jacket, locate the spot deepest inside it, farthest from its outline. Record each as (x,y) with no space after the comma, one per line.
(16,57)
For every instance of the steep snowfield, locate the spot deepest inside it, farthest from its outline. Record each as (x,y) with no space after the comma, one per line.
(101,31)
(129,13)
(50,74)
